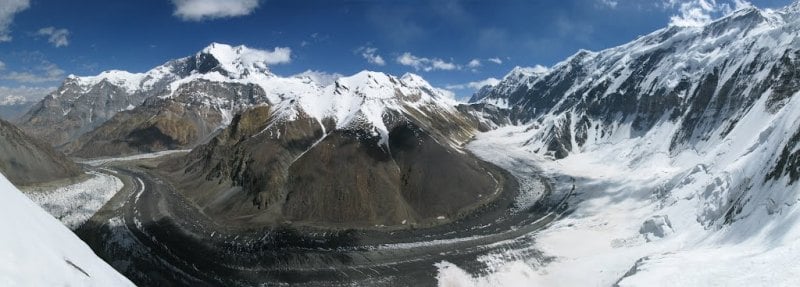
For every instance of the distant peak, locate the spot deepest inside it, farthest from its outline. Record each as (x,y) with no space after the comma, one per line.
(792,8)
(583,53)
(413,78)
(241,61)
(365,78)
(369,74)
(220,49)
(518,71)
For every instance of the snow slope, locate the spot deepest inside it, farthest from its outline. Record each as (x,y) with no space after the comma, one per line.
(37,250)
(604,239)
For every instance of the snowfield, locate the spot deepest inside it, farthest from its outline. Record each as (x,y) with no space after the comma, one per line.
(75,204)
(37,250)
(643,218)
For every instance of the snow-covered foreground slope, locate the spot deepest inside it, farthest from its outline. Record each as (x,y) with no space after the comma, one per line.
(37,250)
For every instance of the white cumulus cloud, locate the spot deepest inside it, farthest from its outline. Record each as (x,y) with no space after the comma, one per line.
(475,85)
(280,55)
(9,8)
(696,13)
(57,37)
(45,72)
(11,95)
(609,3)
(199,10)
(425,64)
(474,63)
(495,60)
(371,55)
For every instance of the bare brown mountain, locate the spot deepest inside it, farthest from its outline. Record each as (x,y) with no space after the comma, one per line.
(25,160)
(189,117)
(378,150)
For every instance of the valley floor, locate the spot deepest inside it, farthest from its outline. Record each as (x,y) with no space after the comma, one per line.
(627,224)
(150,234)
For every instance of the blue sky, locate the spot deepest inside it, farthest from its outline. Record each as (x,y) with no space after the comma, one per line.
(451,43)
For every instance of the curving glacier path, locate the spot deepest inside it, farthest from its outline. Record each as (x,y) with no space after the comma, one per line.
(150,233)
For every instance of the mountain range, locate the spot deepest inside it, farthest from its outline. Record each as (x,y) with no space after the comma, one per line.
(681,141)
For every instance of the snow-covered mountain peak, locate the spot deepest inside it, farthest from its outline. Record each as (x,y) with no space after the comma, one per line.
(126,80)
(221,61)
(519,72)
(516,78)
(363,100)
(663,59)
(414,79)
(378,85)
(794,6)
(367,83)
(238,61)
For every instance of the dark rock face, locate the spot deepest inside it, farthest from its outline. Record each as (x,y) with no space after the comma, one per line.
(263,170)
(191,117)
(485,116)
(788,163)
(481,94)
(25,161)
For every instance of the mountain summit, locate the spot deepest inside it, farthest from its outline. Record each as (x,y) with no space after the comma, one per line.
(82,104)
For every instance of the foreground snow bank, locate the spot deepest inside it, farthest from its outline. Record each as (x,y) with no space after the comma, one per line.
(37,250)
(75,204)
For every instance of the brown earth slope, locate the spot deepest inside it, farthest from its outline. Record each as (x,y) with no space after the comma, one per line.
(185,120)
(262,170)
(26,161)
